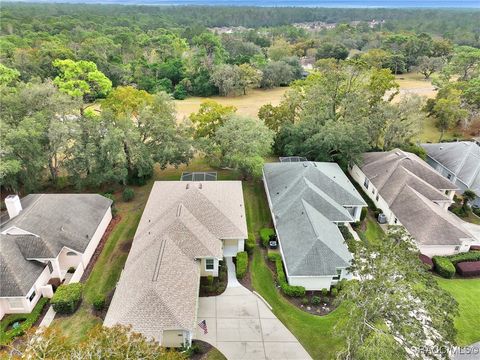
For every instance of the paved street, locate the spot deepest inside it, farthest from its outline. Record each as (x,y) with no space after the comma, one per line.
(241,326)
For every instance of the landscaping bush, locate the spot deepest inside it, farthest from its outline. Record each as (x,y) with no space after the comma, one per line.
(71,270)
(426,261)
(334,291)
(67,298)
(443,267)
(316,300)
(463,257)
(265,234)
(324,292)
(274,257)
(28,321)
(304,301)
(250,244)
(370,203)
(468,268)
(109,196)
(293,291)
(128,194)
(241,264)
(363,214)
(98,302)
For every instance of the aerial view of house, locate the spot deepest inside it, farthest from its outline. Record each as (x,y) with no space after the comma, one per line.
(42,236)
(412,194)
(186,229)
(308,200)
(459,162)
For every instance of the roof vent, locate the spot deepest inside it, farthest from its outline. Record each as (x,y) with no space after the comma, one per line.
(179,210)
(305,164)
(199,185)
(12,202)
(187,187)
(441,147)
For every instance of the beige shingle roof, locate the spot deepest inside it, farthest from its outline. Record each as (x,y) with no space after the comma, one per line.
(182,222)
(411,187)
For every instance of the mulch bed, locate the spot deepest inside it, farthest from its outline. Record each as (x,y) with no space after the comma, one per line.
(324,308)
(42,314)
(247,279)
(102,313)
(204,347)
(99,248)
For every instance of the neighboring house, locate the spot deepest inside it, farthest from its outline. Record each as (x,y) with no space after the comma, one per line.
(185,231)
(308,200)
(459,162)
(412,194)
(42,236)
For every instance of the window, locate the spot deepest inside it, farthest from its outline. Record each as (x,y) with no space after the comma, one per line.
(15,303)
(366,182)
(32,296)
(378,196)
(449,176)
(457,248)
(50,267)
(209,264)
(373,191)
(339,273)
(395,221)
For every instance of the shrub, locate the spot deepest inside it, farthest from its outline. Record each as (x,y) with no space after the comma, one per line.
(324,292)
(109,196)
(356,225)
(468,268)
(289,290)
(370,203)
(98,302)
(444,267)
(128,194)
(67,298)
(71,270)
(363,214)
(463,257)
(316,300)
(242,264)
(265,234)
(27,321)
(250,244)
(274,257)
(209,280)
(334,291)
(180,92)
(304,301)
(427,262)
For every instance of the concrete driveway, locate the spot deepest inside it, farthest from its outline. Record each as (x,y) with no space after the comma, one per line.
(243,327)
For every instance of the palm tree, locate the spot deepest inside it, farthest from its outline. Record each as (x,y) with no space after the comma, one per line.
(468,195)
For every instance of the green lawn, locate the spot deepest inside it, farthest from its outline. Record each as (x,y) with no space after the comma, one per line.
(373,231)
(467,294)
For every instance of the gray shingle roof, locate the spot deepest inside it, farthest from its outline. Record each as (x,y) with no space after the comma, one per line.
(411,187)
(307,198)
(54,221)
(182,222)
(461,158)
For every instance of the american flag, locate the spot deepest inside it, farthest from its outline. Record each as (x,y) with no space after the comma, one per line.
(203,326)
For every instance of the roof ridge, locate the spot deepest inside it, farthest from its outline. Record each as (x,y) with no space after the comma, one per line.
(451,219)
(12,273)
(426,183)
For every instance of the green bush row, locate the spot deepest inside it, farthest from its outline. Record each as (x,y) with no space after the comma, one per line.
(289,290)
(250,244)
(444,267)
(265,234)
(242,264)
(67,298)
(28,321)
(466,256)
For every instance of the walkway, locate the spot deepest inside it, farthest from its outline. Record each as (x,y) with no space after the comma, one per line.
(243,327)
(48,318)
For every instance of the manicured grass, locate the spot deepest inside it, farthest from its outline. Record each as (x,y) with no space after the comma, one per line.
(313,332)
(214,354)
(373,231)
(467,294)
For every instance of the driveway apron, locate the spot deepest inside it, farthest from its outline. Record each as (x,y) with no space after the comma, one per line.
(243,327)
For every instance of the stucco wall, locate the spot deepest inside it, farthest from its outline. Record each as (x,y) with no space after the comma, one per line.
(87,255)
(311,283)
(173,338)
(443,250)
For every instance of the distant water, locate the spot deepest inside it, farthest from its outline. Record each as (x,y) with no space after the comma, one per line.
(296,3)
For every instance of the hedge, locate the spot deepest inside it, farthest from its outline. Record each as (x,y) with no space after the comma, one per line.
(289,290)
(98,302)
(265,234)
(28,321)
(67,298)
(242,264)
(250,244)
(463,257)
(468,268)
(443,267)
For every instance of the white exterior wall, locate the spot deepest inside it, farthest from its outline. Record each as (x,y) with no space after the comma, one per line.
(27,306)
(97,236)
(175,338)
(444,250)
